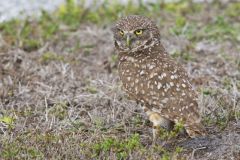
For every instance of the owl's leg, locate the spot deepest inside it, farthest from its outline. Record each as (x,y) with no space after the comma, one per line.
(158,121)
(155,131)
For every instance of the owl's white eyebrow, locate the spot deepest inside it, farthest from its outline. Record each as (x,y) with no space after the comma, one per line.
(140,28)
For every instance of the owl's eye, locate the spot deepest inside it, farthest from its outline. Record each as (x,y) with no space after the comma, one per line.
(121,32)
(138,32)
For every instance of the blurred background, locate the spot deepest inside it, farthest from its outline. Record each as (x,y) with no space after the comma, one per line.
(19,8)
(60,95)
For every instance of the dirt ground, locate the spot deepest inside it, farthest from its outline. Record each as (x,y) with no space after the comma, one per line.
(64,99)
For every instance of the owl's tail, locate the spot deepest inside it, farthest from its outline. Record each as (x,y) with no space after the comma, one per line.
(195,130)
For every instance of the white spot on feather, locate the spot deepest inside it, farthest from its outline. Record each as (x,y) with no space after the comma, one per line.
(184,85)
(159,85)
(142,72)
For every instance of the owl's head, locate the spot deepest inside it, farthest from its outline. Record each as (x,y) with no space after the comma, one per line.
(134,32)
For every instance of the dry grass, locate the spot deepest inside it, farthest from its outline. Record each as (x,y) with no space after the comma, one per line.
(63,100)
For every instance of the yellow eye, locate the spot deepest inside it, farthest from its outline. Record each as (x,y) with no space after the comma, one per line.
(138,32)
(121,32)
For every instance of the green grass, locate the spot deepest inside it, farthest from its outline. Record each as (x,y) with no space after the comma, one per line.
(8,121)
(102,147)
(50,56)
(222,29)
(122,148)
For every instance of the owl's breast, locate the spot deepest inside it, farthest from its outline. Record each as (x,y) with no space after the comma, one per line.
(128,71)
(134,74)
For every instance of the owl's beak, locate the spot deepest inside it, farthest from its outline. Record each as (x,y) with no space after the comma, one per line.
(128,40)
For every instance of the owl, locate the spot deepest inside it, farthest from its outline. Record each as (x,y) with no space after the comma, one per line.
(150,76)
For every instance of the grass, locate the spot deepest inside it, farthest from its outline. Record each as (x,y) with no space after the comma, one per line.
(61,96)
(121,148)
(49,56)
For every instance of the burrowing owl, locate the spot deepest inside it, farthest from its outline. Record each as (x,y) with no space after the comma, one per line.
(151,77)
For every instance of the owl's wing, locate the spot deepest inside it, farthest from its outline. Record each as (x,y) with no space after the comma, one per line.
(169,90)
